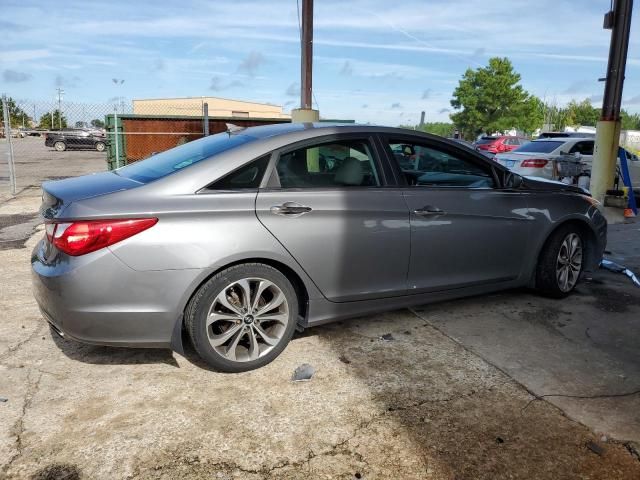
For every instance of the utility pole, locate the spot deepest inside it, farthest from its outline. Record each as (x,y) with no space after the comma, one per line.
(60,93)
(608,128)
(306,113)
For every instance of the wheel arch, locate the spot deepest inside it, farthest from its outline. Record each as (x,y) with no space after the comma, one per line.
(299,286)
(590,247)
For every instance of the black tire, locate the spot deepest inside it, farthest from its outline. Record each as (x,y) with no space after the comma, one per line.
(60,146)
(547,279)
(100,146)
(199,306)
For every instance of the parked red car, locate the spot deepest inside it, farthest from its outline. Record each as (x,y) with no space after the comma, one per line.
(500,144)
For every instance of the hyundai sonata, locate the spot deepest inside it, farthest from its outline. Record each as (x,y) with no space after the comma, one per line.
(239,238)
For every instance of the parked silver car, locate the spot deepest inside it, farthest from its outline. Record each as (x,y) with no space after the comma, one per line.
(240,237)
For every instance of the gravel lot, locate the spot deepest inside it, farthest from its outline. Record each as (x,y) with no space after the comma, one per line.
(439,399)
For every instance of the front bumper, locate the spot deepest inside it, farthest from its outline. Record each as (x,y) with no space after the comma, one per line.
(99,300)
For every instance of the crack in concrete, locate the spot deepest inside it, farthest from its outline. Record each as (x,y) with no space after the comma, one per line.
(17,346)
(18,426)
(339,448)
(581,397)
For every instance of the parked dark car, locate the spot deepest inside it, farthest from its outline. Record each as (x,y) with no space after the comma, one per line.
(499,144)
(76,138)
(239,238)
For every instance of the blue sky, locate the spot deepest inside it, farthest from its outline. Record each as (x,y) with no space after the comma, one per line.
(375,61)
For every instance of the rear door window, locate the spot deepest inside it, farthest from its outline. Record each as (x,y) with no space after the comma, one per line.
(346,163)
(583,148)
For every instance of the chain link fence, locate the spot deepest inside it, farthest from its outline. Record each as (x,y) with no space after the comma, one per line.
(41,140)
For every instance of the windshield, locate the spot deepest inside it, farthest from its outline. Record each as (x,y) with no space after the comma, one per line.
(545,146)
(170,161)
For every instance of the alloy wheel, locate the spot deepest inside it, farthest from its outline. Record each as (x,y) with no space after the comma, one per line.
(247,319)
(569,262)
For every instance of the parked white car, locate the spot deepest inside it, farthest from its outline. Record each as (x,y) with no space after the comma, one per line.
(538,158)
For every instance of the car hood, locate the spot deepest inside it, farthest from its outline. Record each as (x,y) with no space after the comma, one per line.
(537,183)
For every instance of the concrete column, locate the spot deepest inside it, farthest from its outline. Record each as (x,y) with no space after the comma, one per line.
(605,154)
(304,115)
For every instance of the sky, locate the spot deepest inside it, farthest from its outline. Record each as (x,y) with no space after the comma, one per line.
(374,61)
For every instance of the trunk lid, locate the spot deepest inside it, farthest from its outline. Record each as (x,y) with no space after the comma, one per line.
(56,195)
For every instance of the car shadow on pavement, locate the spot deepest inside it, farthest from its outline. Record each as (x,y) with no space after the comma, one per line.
(100,355)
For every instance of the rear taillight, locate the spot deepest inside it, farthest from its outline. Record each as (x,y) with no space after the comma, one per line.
(80,238)
(534,163)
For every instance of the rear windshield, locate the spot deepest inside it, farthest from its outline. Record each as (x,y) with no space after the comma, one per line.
(170,161)
(485,140)
(545,146)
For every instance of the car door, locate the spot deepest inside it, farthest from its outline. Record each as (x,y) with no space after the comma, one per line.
(327,204)
(465,229)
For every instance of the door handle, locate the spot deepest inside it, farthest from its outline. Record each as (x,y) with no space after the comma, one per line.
(290,209)
(429,210)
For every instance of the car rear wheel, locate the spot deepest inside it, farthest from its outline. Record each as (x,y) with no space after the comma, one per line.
(100,146)
(243,317)
(561,262)
(60,146)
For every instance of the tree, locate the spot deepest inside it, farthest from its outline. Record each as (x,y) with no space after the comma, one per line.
(96,122)
(17,116)
(444,129)
(582,114)
(59,120)
(491,99)
(630,121)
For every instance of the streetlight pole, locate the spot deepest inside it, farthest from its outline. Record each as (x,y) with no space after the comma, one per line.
(60,93)
(306,113)
(608,127)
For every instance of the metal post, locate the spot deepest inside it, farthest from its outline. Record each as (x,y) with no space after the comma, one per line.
(7,133)
(60,92)
(608,127)
(115,132)
(306,113)
(422,119)
(205,115)
(307,55)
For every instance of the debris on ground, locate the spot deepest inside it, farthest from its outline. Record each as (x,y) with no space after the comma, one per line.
(595,448)
(303,373)
(387,337)
(344,359)
(617,268)
(3,400)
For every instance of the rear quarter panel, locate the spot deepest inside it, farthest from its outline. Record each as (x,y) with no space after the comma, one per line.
(204,231)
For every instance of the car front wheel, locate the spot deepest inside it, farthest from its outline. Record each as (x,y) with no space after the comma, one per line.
(561,262)
(100,146)
(242,318)
(60,146)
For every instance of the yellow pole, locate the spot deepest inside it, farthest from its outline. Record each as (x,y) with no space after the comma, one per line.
(605,153)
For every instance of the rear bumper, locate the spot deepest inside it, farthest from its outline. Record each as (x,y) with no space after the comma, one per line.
(97,299)
(48,142)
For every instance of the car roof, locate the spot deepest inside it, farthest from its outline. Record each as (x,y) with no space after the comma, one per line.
(277,129)
(563,139)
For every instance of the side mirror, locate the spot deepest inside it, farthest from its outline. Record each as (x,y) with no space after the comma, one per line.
(577,155)
(513,180)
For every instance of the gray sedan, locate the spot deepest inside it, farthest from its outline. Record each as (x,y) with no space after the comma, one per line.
(236,240)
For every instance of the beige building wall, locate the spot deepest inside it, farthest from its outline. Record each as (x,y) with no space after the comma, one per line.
(218,107)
